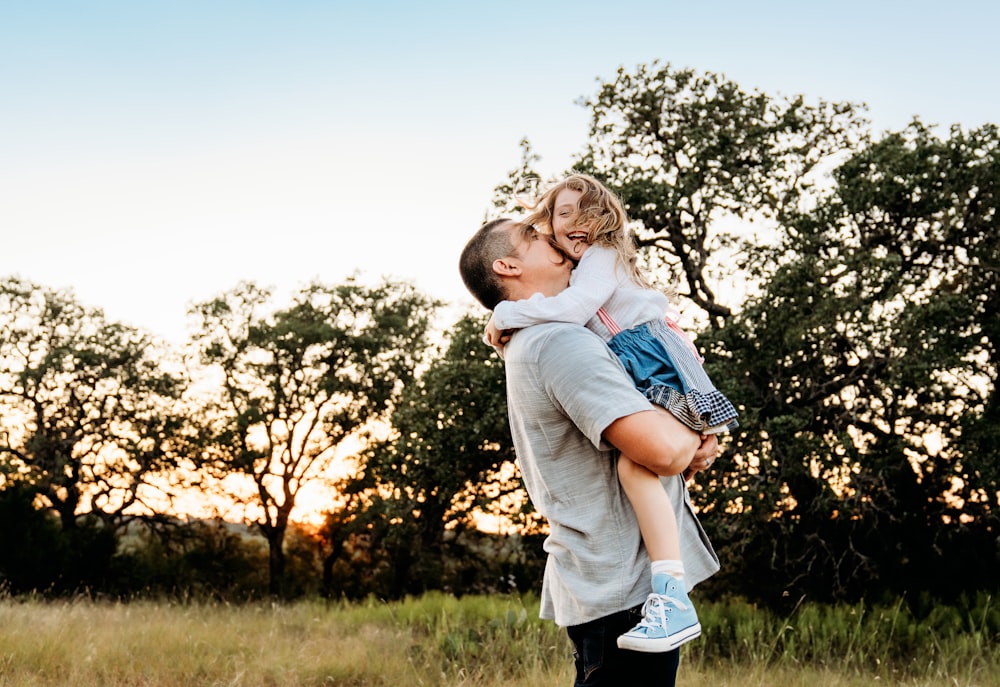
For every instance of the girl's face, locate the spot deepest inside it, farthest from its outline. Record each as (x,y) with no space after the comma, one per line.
(571,237)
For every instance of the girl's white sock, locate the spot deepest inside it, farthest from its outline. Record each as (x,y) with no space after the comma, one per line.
(672,567)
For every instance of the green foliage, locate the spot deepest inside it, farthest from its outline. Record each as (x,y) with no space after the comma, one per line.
(437,639)
(688,150)
(31,545)
(89,418)
(89,408)
(452,432)
(197,560)
(864,362)
(449,460)
(867,373)
(864,359)
(37,555)
(479,635)
(900,638)
(523,183)
(299,381)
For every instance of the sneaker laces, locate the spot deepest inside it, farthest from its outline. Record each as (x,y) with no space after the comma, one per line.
(654,611)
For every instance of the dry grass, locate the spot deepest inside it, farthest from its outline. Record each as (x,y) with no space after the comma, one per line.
(435,640)
(160,645)
(149,644)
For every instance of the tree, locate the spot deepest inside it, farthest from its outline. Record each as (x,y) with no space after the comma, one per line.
(32,546)
(522,183)
(448,461)
(697,160)
(298,382)
(867,369)
(864,358)
(89,406)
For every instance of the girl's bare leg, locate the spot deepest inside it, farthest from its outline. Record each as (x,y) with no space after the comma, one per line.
(653,510)
(658,525)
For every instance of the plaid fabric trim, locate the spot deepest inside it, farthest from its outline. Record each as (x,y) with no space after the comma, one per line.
(709,413)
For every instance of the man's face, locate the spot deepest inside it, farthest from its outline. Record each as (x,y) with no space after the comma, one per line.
(543,268)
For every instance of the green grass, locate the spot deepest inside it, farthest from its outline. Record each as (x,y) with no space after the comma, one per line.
(482,641)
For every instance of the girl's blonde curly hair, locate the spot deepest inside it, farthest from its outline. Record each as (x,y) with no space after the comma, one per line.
(601,214)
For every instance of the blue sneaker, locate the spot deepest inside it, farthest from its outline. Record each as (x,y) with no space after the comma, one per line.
(669,619)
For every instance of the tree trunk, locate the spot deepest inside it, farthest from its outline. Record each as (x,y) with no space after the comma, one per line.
(275,534)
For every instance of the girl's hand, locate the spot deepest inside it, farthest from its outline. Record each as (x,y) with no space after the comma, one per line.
(495,337)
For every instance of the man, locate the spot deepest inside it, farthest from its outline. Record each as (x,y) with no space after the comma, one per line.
(571,404)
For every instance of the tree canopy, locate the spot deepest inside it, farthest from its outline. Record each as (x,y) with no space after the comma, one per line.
(448,462)
(846,291)
(687,150)
(867,370)
(850,285)
(299,381)
(90,407)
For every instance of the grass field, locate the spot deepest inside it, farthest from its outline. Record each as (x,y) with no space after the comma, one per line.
(482,641)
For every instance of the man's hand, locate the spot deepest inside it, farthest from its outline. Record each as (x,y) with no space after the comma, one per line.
(704,456)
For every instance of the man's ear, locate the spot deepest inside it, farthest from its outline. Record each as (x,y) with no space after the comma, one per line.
(507,267)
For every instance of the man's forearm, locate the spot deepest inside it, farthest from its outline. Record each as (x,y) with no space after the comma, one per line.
(654,439)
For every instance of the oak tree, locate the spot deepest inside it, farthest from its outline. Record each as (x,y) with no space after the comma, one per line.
(297,382)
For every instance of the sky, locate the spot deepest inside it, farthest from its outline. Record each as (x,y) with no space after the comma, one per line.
(154,154)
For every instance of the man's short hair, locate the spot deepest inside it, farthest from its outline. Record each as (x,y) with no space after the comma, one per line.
(476,263)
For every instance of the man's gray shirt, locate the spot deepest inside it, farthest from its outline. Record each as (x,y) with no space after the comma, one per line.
(564,388)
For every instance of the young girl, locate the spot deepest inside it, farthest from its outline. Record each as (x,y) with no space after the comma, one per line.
(609,295)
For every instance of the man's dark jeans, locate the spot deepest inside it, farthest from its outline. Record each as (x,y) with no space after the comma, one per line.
(600,663)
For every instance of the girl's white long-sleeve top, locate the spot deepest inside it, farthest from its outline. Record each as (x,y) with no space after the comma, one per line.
(598,280)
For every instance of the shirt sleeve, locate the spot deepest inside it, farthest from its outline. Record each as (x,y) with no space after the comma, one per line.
(594,281)
(592,401)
